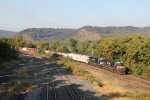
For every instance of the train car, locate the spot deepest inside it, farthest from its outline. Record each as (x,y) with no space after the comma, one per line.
(120,68)
(64,54)
(27,50)
(79,57)
(108,64)
(103,63)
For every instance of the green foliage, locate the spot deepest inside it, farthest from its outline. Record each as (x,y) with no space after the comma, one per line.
(74,68)
(8,48)
(45,46)
(19,41)
(31,45)
(54,57)
(7,51)
(57,46)
(132,50)
(73,44)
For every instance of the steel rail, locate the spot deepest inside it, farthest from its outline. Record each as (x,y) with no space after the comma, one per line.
(69,84)
(65,86)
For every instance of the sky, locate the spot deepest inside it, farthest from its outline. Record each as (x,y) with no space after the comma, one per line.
(16,15)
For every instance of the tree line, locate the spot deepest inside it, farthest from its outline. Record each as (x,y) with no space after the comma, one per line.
(133,50)
(8,47)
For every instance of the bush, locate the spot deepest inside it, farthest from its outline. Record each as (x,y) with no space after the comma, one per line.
(55,57)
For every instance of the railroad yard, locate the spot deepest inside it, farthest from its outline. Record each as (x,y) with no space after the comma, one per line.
(53,82)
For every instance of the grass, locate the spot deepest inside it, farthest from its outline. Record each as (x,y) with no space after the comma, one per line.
(143,96)
(8,64)
(8,96)
(16,86)
(77,70)
(111,89)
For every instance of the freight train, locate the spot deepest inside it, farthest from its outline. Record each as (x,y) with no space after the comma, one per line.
(103,63)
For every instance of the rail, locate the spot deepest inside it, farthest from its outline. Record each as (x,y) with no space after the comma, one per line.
(69,86)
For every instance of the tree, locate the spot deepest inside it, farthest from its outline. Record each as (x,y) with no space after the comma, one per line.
(58,46)
(7,51)
(30,45)
(73,45)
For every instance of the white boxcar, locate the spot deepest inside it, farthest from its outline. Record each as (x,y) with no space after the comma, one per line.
(79,57)
(76,57)
(63,54)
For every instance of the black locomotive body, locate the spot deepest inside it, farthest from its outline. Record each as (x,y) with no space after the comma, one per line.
(108,64)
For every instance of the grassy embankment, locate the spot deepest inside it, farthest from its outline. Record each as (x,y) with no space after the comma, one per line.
(107,88)
(73,67)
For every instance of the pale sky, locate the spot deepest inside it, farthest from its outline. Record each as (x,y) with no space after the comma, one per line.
(16,15)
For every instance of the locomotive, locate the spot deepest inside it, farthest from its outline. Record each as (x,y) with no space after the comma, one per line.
(103,63)
(108,64)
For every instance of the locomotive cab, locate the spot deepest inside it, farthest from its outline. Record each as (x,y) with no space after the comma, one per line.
(120,68)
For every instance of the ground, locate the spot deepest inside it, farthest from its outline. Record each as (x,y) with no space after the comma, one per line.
(64,85)
(117,86)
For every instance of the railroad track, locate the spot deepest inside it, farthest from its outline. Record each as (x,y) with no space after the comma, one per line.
(53,91)
(138,84)
(131,81)
(47,87)
(72,91)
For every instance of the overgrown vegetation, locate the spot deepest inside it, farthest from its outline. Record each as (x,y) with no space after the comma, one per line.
(16,86)
(132,50)
(8,49)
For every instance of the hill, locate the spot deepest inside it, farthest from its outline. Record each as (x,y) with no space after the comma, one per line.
(47,34)
(4,33)
(83,33)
